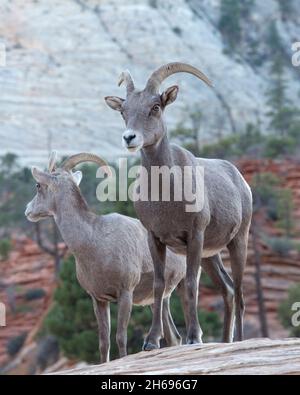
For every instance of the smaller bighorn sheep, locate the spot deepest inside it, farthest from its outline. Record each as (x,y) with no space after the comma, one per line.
(113,261)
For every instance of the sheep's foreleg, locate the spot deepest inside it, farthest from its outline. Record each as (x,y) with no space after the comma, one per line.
(102,313)
(158,253)
(193,270)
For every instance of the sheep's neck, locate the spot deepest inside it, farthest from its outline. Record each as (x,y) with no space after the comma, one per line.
(71,217)
(158,154)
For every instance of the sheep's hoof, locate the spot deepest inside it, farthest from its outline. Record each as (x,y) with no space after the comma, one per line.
(148,346)
(194,340)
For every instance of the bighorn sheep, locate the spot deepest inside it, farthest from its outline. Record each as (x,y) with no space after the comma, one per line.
(223,221)
(113,261)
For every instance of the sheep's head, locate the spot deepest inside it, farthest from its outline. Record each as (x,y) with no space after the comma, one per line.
(58,184)
(142,111)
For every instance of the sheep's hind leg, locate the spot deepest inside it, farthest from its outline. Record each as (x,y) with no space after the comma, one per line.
(180,290)
(238,256)
(171,334)
(124,311)
(214,267)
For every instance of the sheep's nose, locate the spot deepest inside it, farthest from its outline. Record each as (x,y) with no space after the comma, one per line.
(129,138)
(27,212)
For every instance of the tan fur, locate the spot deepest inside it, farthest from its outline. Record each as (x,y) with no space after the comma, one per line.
(113,261)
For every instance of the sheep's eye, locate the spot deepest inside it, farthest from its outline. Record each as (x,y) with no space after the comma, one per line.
(155,109)
(38,186)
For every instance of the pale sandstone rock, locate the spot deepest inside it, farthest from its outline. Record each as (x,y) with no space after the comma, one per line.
(254,356)
(63,57)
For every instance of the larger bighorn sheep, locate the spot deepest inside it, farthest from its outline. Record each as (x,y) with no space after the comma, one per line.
(113,261)
(223,221)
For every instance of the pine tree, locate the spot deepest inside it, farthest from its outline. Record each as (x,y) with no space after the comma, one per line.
(286,8)
(277,100)
(282,114)
(229,23)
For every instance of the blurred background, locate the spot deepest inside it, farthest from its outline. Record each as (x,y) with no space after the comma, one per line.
(62,58)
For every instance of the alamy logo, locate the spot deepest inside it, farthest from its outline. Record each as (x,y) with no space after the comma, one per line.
(160,183)
(2,55)
(296,55)
(2,314)
(296,316)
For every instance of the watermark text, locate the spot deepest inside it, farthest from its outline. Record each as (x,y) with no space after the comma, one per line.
(2,314)
(2,55)
(156,184)
(296,316)
(296,54)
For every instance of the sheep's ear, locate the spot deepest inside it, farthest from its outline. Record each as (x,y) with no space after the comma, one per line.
(114,102)
(77,177)
(40,176)
(169,95)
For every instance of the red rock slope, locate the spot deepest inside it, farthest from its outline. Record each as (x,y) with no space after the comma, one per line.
(278,273)
(26,269)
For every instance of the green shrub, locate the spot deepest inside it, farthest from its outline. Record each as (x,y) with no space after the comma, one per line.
(278,146)
(5,248)
(16,189)
(285,311)
(177,30)
(285,211)
(250,142)
(34,293)
(277,201)
(281,245)
(224,148)
(15,344)
(264,186)
(232,146)
(294,132)
(206,280)
(272,210)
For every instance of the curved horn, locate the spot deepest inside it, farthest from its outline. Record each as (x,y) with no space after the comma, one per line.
(74,160)
(52,161)
(125,76)
(159,75)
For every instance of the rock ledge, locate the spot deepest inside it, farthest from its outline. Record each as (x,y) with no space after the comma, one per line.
(254,356)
